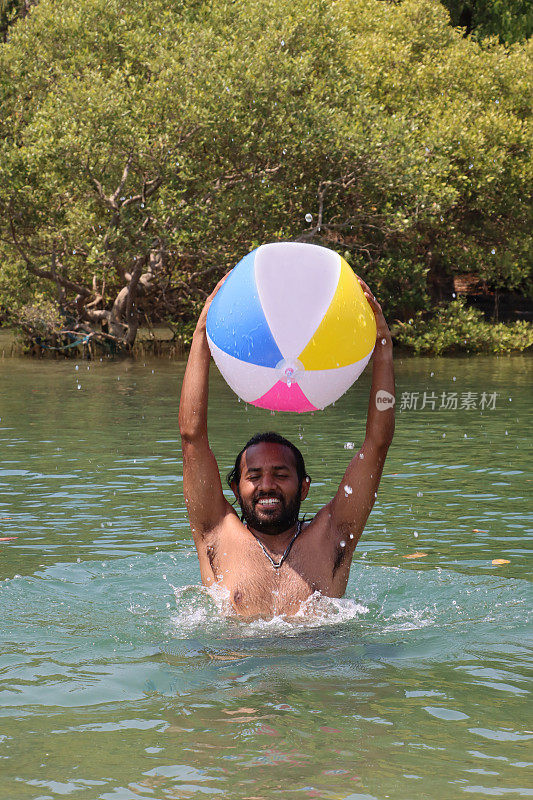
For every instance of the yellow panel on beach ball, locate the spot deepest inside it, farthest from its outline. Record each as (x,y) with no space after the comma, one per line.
(347,332)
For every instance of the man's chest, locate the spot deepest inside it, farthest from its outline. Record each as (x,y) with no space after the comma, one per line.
(257,587)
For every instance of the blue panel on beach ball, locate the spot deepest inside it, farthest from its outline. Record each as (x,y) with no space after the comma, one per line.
(236,322)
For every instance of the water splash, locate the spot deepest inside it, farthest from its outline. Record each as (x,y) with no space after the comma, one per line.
(315,612)
(201,610)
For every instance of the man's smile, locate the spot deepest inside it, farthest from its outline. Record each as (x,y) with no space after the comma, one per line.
(268,502)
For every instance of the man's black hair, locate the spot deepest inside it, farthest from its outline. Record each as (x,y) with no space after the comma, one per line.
(275,438)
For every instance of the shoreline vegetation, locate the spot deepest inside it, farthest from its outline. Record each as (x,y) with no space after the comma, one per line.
(453,329)
(145,148)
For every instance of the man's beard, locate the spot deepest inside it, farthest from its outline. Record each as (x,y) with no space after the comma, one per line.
(286,517)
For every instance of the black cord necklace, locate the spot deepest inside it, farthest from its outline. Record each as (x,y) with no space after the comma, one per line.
(277,564)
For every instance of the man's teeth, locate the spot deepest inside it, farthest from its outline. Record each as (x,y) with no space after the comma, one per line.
(268,501)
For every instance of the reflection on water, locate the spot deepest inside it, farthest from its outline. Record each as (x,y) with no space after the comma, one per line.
(123,678)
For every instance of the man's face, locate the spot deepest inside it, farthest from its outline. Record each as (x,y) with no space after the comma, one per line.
(269,492)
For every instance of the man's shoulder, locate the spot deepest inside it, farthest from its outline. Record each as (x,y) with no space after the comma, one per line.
(228,523)
(320,525)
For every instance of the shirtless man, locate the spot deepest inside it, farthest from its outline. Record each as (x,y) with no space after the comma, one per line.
(271,563)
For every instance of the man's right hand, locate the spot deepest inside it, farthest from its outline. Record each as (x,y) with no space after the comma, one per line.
(203,314)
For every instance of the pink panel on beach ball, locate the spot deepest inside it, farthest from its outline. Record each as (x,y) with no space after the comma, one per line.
(283,397)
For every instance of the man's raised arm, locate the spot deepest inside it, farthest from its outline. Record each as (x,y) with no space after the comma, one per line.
(358,490)
(206,504)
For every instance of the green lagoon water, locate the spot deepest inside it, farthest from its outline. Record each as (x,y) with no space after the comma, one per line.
(120,677)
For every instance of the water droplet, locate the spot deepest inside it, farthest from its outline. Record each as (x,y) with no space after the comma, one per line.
(361,455)
(348,489)
(164,577)
(342,543)
(308,217)
(443,435)
(351,536)
(420,494)
(76,367)
(383,341)
(415,534)
(349,445)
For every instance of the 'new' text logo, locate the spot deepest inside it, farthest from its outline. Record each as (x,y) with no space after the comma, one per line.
(384,400)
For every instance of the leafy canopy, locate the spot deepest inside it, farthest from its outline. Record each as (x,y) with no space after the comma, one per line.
(195,131)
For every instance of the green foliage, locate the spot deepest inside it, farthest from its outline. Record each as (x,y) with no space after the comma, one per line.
(42,319)
(198,131)
(10,12)
(510,20)
(402,282)
(456,328)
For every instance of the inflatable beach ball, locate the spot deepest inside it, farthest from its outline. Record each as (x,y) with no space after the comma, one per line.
(290,329)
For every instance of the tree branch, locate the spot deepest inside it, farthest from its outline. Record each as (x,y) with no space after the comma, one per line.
(124,178)
(50,275)
(149,187)
(111,200)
